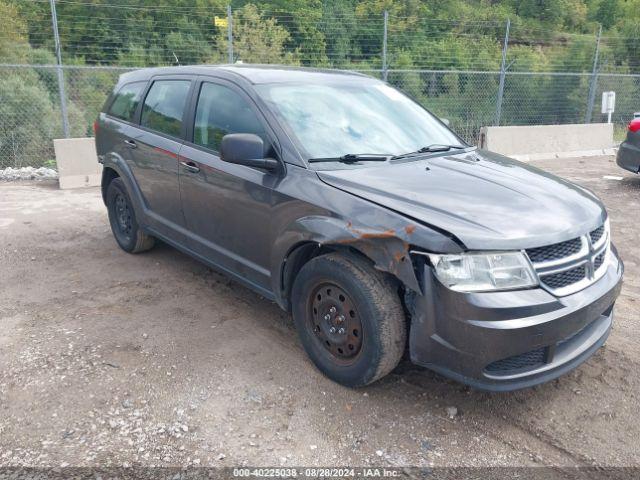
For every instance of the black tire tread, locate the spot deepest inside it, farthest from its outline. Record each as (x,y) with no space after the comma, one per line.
(381,291)
(143,241)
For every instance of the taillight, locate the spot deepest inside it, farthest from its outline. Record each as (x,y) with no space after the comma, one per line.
(95,128)
(634,125)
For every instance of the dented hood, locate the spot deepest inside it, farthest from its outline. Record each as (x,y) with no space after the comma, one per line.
(484,199)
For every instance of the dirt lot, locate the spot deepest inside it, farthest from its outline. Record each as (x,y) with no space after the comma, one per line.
(115,359)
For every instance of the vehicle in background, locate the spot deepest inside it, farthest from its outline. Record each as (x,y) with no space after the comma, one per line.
(629,152)
(350,205)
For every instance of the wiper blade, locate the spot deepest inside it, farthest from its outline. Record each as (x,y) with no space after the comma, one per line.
(433,148)
(354,157)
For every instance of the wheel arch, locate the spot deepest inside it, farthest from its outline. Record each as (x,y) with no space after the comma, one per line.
(313,236)
(108,174)
(115,166)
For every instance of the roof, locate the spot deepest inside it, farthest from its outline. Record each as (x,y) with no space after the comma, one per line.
(256,74)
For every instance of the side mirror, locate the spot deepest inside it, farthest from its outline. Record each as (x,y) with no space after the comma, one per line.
(445,121)
(246,149)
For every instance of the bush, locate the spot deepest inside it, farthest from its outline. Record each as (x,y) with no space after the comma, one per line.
(29,122)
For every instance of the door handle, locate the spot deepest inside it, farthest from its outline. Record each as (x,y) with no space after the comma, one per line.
(190,167)
(130,144)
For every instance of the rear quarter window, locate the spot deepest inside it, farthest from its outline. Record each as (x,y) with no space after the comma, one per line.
(126,101)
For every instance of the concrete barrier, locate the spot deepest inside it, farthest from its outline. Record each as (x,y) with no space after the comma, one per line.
(77,162)
(539,142)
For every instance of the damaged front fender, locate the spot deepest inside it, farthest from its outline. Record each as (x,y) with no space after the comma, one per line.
(388,248)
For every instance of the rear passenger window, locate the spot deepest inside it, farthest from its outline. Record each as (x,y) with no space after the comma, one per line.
(126,101)
(163,108)
(221,111)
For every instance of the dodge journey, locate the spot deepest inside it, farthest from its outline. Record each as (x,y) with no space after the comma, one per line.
(351,206)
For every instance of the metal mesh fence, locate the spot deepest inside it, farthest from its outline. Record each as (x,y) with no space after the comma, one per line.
(473,73)
(30,113)
(31,117)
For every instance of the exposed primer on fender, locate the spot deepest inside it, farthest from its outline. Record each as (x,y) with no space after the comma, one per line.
(389,249)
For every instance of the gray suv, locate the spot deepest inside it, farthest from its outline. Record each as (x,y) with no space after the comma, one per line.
(346,203)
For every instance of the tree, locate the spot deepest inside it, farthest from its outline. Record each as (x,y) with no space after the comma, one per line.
(256,39)
(28,121)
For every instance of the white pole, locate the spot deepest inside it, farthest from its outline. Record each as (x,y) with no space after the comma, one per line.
(61,93)
(230,33)
(384,46)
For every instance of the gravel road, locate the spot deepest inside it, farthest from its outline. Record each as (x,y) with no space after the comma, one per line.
(153,359)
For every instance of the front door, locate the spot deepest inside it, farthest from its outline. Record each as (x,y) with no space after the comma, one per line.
(227,207)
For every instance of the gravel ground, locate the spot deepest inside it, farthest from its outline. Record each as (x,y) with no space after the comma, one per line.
(115,359)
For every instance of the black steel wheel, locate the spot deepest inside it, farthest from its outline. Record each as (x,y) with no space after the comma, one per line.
(349,318)
(122,219)
(336,322)
(123,216)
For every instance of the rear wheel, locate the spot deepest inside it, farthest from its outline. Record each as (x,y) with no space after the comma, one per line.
(122,218)
(349,318)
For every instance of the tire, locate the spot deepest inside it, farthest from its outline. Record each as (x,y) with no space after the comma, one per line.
(122,218)
(368,308)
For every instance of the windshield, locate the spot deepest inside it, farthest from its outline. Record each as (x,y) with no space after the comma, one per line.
(354,118)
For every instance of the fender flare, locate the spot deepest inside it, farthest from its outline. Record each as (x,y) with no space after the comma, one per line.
(387,249)
(117,163)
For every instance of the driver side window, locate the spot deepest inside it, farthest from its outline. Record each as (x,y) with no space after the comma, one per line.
(220,111)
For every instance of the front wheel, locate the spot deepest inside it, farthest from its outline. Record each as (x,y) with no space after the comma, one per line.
(349,318)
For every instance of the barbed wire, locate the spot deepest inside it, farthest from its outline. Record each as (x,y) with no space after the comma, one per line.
(421,42)
(450,66)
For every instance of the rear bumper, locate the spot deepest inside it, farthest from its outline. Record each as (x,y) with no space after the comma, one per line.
(629,157)
(503,341)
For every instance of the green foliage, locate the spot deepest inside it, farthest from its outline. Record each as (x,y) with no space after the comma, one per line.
(25,132)
(444,36)
(256,39)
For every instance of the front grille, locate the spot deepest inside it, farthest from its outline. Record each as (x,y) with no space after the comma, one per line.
(555,251)
(566,267)
(596,234)
(566,278)
(534,358)
(526,360)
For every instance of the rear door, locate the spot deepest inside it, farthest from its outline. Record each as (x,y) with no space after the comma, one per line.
(155,148)
(117,123)
(227,207)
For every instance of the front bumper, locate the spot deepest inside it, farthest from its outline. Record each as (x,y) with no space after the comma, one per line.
(503,341)
(629,157)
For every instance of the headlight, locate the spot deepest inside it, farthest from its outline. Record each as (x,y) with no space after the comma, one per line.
(474,272)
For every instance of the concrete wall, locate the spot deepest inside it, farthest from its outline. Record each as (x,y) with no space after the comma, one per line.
(549,141)
(77,162)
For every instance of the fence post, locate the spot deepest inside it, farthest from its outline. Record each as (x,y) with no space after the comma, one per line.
(503,72)
(230,32)
(594,81)
(384,47)
(63,97)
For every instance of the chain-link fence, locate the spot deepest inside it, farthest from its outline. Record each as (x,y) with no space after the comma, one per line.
(31,117)
(30,109)
(471,73)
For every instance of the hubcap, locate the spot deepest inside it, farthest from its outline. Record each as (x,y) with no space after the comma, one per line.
(335,322)
(123,215)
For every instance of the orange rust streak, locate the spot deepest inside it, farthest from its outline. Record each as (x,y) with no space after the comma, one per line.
(166,152)
(385,234)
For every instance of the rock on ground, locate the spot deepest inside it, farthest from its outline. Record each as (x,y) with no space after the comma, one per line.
(27,173)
